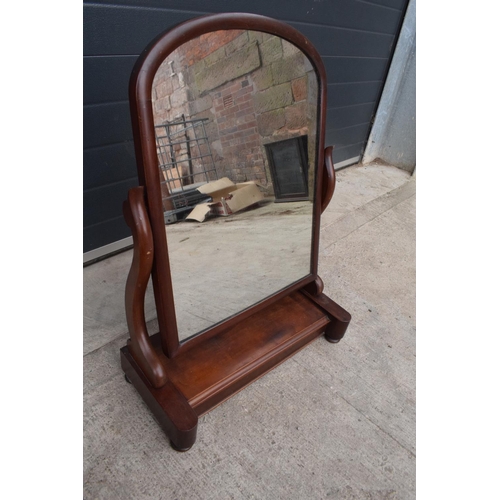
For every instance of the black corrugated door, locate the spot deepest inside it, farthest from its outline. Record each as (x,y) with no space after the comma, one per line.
(355,38)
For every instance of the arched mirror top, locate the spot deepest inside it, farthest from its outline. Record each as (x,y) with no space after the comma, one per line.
(155,53)
(164,44)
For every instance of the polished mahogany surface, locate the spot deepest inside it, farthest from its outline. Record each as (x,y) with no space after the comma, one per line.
(249,83)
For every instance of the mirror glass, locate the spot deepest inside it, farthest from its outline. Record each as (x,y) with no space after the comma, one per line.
(235,116)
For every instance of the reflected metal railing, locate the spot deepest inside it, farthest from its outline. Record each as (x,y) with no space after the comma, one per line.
(185,161)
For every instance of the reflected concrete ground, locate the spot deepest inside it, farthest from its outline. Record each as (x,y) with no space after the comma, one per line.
(226,264)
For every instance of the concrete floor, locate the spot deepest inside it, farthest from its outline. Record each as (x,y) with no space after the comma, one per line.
(334,421)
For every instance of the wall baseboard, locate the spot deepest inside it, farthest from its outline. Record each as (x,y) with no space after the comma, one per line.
(107,250)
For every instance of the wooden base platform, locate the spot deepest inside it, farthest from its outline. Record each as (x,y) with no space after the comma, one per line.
(204,376)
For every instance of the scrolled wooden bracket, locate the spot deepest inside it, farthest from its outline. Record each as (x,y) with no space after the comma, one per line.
(328,184)
(140,347)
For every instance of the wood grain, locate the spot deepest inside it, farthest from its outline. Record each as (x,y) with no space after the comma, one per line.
(220,366)
(181,382)
(135,290)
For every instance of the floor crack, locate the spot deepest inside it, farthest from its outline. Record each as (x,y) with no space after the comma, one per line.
(376,425)
(350,214)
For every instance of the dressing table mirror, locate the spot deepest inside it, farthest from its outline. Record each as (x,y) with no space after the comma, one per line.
(228,114)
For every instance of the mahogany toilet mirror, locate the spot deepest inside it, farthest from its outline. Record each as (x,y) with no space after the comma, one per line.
(228,114)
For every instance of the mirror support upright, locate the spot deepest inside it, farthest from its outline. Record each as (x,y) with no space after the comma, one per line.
(339,317)
(136,217)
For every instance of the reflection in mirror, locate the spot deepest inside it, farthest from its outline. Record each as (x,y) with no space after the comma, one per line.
(235,118)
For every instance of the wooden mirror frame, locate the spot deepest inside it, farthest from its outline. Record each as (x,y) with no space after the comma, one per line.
(180,381)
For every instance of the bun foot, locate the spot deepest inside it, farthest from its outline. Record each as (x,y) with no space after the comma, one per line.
(332,341)
(179,449)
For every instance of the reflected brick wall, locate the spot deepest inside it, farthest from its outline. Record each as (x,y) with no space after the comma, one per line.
(253,89)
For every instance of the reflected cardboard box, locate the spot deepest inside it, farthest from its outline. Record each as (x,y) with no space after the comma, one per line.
(227,198)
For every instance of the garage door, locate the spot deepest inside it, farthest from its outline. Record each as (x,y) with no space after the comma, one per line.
(355,38)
